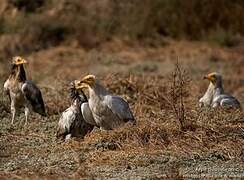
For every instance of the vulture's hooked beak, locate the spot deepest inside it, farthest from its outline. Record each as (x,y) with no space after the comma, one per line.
(88,80)
(205,77)
(210,77)
(24,61)
(79,85)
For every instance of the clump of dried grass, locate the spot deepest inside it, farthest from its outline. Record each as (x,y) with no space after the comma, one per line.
(145,134)
(179,90)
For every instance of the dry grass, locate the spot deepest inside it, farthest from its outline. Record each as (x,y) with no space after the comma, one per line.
(157,144)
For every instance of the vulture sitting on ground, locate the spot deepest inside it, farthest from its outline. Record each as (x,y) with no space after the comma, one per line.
(108,111)
(71,122)
(21,92)
(215,95)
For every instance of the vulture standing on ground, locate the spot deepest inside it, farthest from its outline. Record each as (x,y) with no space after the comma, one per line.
(215,95)
(108,111)
(21,92)
(71,122)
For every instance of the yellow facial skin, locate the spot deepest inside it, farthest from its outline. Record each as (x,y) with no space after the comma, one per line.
(80,86)
(19,60)
(211,77)
(86,82)
(89,80)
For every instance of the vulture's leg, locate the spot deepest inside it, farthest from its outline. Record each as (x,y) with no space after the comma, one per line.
(27,111)
(105,128)
(13,111)
(9,97)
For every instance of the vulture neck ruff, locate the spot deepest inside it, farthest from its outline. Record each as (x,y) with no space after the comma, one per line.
(18,73)
(76,98)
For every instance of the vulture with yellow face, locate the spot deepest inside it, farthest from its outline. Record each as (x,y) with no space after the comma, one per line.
(215,95)
(108,111)
(21,92)
(71,122)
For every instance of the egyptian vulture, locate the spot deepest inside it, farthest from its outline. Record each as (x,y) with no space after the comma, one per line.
(21,92)
(108,111)
(71,122)
(215,95)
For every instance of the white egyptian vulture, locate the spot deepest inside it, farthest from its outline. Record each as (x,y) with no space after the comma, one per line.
(108,111)
(71,122)
(21,92)
(215,95)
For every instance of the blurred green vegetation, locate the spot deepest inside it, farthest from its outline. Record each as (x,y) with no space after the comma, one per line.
(40,24)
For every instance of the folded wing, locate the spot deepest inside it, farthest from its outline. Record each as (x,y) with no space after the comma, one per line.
(227,101)
(34,97)
(119,107)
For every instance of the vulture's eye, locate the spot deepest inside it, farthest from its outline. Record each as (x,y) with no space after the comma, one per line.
(91,79)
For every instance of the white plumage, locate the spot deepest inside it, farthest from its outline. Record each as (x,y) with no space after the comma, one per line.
(215,95)
(108,111)
(87,114)
(67,118)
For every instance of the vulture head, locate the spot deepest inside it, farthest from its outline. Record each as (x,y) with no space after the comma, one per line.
(87,81)
(214,78)
(77,93)
(17,60)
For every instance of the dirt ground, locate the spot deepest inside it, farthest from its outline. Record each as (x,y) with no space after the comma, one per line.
(212,145)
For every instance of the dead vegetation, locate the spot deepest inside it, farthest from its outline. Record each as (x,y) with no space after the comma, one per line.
(213,136)
(179,90)
(168,137)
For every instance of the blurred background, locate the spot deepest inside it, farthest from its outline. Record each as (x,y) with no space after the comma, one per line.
(27,26)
